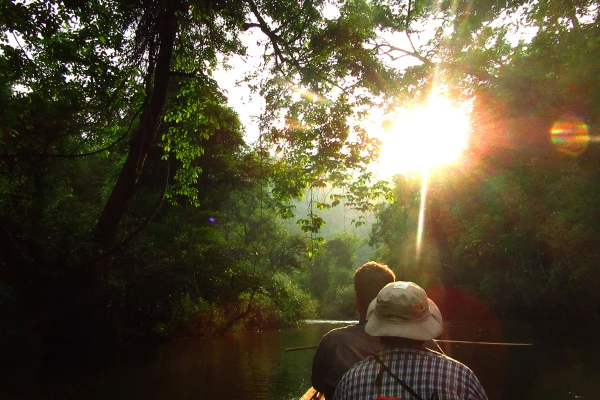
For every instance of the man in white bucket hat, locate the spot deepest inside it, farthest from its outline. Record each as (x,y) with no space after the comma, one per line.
(404,317)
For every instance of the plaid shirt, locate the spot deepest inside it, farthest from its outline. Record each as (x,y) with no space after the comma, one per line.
(423,370)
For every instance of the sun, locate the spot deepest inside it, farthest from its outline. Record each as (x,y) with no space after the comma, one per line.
(423,137)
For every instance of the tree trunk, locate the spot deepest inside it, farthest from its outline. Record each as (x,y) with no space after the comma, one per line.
(150,120)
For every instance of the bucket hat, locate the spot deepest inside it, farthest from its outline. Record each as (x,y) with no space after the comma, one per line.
(402,309)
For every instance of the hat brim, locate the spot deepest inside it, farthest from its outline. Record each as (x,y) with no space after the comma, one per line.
(426,328)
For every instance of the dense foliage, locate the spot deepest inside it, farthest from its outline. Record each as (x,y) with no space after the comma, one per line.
(515,223)
(131,206)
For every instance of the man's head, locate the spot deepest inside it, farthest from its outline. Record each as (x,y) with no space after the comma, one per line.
(402,309)
(368,281)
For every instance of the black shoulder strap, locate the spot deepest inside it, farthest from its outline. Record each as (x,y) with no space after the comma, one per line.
(400,381)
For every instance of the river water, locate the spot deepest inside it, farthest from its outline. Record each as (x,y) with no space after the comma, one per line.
(256,366)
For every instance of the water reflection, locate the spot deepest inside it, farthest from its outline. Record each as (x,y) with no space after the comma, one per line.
(243,366)
(255,366)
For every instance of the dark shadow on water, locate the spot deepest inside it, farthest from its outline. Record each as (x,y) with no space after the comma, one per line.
(559,365)
(254,365)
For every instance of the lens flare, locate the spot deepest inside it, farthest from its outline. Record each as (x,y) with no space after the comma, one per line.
(421,224)
(423,137)
(293,124)
(304,93)
(570,135)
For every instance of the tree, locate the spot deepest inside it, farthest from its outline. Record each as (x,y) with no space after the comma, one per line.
(111,107)
(165,34)
(517,179)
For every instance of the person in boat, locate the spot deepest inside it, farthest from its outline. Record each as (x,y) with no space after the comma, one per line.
(341,348)
(404,318)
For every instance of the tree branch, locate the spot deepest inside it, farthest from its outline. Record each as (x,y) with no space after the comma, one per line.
(141,226)
(387,49)
(249,25)
(82,154)
(183,74)
(267,31)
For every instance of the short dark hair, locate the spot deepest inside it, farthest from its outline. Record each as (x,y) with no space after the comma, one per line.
(369,280)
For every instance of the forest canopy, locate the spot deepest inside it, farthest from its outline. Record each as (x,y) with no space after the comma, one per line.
(133,206)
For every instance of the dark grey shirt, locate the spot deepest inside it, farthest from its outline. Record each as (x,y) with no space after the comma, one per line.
(338,351)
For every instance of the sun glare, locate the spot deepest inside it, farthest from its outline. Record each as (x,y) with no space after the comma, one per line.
(423,137)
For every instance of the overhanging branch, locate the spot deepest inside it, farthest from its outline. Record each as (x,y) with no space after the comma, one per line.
(267,31)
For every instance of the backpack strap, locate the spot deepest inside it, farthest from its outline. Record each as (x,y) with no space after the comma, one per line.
(400,381)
